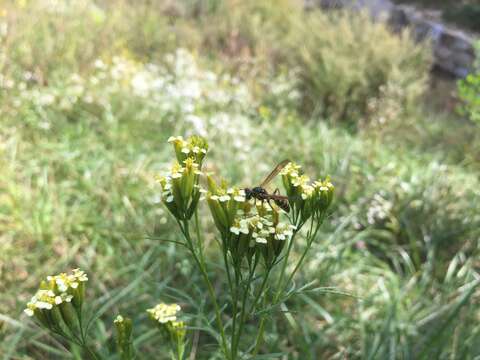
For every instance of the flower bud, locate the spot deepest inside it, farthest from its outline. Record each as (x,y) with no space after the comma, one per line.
(224,204)
(180,189)
(195,148)
(69,314)
(178,331)
(123,327)
(324,191)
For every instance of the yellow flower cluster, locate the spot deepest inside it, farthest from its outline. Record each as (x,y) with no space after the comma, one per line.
(57,303)
(180,189)
(165,315)
(195,147)
(306,199)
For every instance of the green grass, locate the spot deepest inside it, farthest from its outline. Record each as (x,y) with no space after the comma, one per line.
(79,155)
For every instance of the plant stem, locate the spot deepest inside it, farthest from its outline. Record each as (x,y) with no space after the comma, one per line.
(242,313)
(280,287)
(83,339)
(310,238)
(261,329)
(186,233)
(284,267)
(180,350)
(260,291)
(234,312)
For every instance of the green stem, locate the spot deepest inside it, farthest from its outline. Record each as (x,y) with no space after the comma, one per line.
(234,312)
(186,233)
(199,236)
(90,352)
(83,338)
(259,338)
(280,287)
(242,313)
(260,291)
(310,238)
(284,267)
(261,329)
(227,267)
(180,349)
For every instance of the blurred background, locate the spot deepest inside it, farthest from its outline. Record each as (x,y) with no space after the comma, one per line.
(382,96)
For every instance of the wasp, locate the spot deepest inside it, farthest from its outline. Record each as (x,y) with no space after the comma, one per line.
(260,193)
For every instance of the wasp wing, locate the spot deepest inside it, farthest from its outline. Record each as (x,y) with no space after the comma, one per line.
(277,197)
(274,172)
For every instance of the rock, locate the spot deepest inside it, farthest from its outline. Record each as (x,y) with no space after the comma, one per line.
(453,49)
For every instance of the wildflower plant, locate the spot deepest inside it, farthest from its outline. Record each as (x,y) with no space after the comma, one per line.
(256,240)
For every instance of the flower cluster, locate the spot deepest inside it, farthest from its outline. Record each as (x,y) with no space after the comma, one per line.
(194,147)
(306,199)
(165,316)
(58,302)
(259,234)
(164,313)
(224,203)
(180,189)
(246,229)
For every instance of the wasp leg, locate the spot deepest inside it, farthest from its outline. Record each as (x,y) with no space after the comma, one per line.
(269,203)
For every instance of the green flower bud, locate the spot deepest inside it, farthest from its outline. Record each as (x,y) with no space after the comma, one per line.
(123,328)
(194,148)
(180,189)
(69,314)
(224,204)
(178,331)
(323,196)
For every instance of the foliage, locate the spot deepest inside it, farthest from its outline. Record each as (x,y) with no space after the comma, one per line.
(381,83)
(469,92)
(465,15)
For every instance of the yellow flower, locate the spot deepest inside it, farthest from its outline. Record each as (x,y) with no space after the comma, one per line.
(164,313)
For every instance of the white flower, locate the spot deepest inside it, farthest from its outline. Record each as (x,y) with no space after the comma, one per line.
(235,230)
(261,240)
